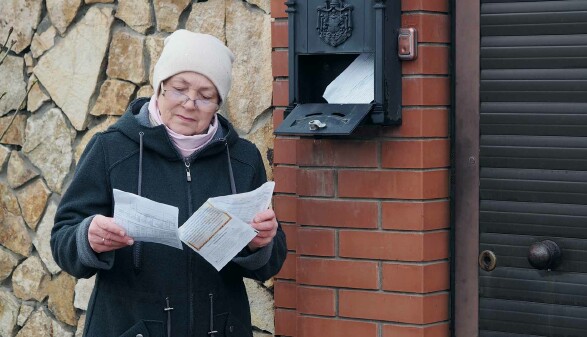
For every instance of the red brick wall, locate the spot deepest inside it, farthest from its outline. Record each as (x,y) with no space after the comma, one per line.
(367,217)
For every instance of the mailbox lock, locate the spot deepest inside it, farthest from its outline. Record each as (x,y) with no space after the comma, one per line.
(487,260)
(316,125)
(407,44)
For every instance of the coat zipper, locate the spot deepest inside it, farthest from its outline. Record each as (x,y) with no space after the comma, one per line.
(190,265)
(187,170)
(187,161)
(187,164)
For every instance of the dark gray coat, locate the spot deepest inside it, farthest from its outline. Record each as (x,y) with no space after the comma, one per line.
(133,283)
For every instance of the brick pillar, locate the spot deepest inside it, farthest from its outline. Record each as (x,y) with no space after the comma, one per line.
(367,217)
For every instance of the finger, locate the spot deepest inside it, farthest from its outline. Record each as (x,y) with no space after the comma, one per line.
(264,238)
(267,234)
(112,237)
(108,225)
(113,244)
(107,245)
(264,226)
(106,228)
(265,215)
(98,237)
(103,242)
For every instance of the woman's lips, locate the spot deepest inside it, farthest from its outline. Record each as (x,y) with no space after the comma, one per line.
(187,119)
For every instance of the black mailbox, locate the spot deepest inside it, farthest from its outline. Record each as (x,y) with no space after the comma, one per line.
(327,38)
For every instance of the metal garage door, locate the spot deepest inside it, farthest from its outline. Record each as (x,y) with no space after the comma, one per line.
(533,168)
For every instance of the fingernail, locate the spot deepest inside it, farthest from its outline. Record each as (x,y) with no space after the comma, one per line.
(121,233)
(130,242)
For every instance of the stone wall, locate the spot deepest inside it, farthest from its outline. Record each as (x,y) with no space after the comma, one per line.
(72,69)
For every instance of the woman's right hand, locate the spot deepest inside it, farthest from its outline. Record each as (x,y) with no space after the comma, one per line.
(104,235)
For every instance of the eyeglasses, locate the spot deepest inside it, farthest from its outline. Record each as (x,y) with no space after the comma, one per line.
(179,98)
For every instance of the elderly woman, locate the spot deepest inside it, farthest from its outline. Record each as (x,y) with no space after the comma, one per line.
(173,148)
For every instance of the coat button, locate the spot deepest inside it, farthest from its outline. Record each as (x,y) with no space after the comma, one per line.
(231,328)
(139,335)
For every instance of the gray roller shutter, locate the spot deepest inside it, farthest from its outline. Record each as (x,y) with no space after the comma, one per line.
(533,126)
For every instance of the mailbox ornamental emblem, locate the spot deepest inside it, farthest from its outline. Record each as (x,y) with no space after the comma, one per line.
(335,24)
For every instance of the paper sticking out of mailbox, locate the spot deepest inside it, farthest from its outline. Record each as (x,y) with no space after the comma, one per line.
(356,84)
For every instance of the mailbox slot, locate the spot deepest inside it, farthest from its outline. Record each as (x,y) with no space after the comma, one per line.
(319,71)
(325,37)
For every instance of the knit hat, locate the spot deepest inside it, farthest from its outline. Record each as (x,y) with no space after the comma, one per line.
(201,53)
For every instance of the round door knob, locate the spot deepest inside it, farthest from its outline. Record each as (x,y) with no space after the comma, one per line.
(544,254)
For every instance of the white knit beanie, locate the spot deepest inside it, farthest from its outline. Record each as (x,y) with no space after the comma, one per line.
(201,53)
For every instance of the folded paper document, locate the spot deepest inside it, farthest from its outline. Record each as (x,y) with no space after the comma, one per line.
(220,228)
(146,220)
(217,231)
(356,84)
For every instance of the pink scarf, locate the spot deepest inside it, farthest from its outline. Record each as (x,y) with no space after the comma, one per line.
(185,144)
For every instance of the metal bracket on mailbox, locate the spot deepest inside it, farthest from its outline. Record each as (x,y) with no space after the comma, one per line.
(316,124)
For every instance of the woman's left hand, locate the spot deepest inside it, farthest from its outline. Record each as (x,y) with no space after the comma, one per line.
(266,224)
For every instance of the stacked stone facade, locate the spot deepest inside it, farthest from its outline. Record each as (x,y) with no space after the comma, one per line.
(71,71)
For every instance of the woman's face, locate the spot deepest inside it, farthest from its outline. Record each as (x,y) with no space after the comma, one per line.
(187,102)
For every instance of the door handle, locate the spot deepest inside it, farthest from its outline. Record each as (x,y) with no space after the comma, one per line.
(545,254)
